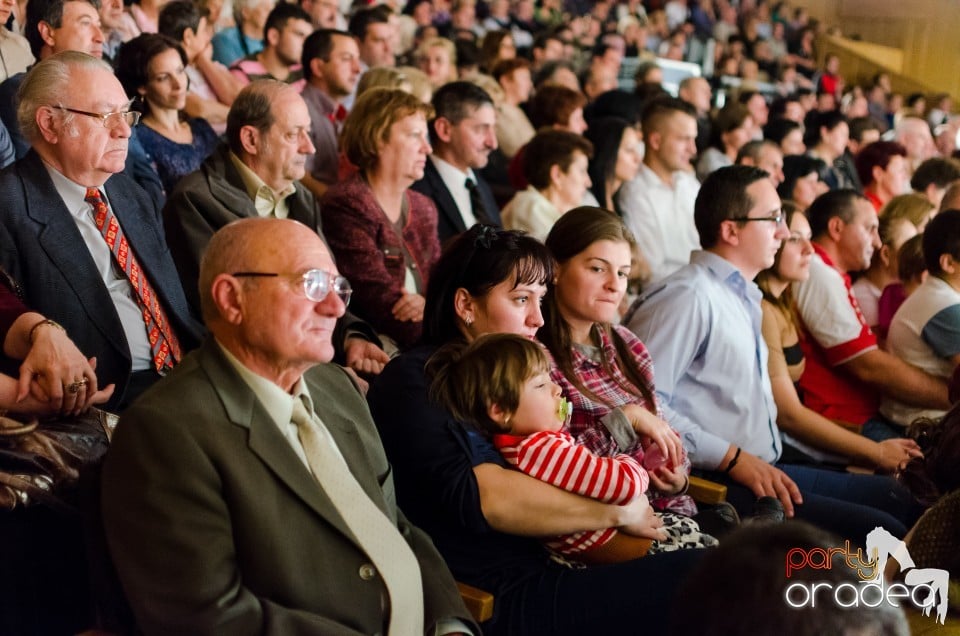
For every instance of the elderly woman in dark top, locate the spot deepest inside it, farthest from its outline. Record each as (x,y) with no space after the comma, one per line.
(151,68)
(484,517)
(383,234)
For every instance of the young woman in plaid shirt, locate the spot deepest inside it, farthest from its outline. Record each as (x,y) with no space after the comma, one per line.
(604,369)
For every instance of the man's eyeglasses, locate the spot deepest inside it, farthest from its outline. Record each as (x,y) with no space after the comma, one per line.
(777,218)
(109,120)
(316,283)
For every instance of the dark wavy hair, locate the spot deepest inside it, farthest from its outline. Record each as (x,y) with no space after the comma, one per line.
(477,261)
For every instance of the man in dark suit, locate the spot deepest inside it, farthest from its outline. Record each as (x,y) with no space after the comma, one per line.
(463,136)
(256,174)
(84,242)
(219,513)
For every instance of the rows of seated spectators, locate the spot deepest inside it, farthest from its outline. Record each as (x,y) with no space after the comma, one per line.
(740,266)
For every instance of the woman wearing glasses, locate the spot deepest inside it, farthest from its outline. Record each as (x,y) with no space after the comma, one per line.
(383,234)
(151,69)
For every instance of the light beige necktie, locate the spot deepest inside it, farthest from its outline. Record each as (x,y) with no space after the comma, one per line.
(374,531)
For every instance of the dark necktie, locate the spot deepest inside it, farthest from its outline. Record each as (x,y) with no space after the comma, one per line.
(476,202)
(163,342)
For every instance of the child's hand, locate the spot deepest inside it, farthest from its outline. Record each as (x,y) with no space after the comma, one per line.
(641,521)
(669,481)
(647,424)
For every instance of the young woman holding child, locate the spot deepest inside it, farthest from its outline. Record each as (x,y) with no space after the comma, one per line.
(484,516)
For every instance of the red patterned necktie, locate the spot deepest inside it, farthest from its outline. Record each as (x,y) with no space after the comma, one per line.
(163,342)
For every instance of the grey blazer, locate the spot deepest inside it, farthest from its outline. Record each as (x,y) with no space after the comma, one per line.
(216,526)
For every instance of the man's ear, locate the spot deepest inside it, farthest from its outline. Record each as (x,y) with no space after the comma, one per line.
(835,227)
(653,140)
(316,67)
(250,140)
(729,232)
(443,128)
(228,298)
(948,264)
(46,33)
(48,125)
(273,37)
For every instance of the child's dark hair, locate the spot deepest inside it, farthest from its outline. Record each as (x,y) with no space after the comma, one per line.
(467,379)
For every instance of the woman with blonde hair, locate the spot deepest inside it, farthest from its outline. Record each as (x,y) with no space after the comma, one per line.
(437,57)
(383,234)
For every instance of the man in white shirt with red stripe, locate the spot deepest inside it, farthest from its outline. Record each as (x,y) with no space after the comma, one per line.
(846,372)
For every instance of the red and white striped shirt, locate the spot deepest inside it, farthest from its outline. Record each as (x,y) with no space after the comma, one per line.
(555,458)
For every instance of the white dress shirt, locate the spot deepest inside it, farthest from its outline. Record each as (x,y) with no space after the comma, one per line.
(661,219)
(456,182)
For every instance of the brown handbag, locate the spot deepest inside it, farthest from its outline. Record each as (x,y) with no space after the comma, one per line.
(40,461)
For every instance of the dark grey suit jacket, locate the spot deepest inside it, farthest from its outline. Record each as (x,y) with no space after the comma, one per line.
(206,200)
(216,527)
(449,220)
(42,249)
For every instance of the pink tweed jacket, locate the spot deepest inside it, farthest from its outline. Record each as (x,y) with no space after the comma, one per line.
(369,251)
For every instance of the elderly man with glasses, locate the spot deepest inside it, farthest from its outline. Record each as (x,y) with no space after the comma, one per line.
(85,242)
(248,493)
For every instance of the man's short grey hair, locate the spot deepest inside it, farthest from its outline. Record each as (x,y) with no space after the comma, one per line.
(47,83)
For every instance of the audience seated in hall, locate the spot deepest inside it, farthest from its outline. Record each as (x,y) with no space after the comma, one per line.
(657,204)
(152,69)
(75,33)
(483,516)
(331,67)
(286,28)
(902,218)
(925,331)
(211,88)
(266,456)
(555,165)
(808,437)
(255,174)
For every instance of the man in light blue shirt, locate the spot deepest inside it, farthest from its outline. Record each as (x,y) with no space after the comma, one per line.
(701,326)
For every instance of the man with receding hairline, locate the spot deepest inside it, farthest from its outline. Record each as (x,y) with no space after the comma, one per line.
(249,493)
(256,174)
